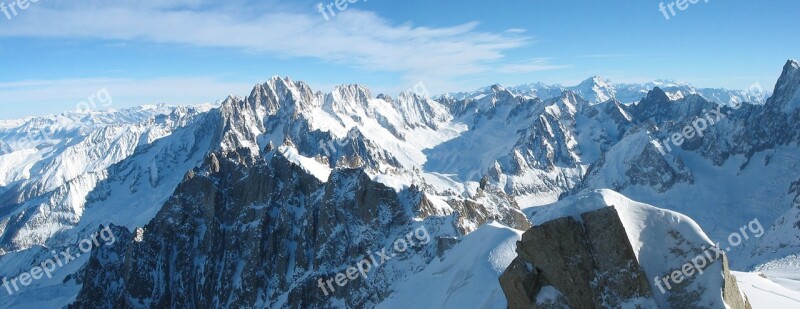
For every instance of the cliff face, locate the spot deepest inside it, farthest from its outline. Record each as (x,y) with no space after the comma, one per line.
(247,237)
(591,264)
(242,232)
(589,260)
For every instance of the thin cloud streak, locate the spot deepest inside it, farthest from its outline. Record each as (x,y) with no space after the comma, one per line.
(354,38)
(534,65)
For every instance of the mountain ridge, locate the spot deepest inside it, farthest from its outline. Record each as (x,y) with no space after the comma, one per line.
(393,162)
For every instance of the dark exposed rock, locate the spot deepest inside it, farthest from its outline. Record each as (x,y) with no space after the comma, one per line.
(221,241)
(213,163)
(262,235)
(590,263)
(443,244)
(521,282)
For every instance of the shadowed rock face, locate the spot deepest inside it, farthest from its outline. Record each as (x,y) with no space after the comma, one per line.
(245,233)
(592,264)
(245,237)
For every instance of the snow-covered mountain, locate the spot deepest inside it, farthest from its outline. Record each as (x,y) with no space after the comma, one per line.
(57,166)
(252,202)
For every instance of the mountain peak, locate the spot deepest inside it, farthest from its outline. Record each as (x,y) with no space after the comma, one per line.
(595,81)
(656,95)
(497,88)
(352,91)
(787,90)
(793,63)
(790,69)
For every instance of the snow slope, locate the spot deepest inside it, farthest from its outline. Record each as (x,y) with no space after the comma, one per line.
(465,277)
(764,293)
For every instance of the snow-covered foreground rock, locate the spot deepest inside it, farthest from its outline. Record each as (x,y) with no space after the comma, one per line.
(601,249)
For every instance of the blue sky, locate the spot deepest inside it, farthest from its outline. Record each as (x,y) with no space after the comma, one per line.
(55,54)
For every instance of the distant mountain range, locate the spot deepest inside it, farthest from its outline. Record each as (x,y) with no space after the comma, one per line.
(598,90)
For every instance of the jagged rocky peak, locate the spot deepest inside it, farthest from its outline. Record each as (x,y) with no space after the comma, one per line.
(655,96)
(596,89)
(484,103)
(595,82)
(638,159)
(352,92)
(786,96)
(494,94)
(294,216)
(278,92)
(418,110)
(572,101)
(384,97)
(601,249)
(501,92)
(659,105)
(350,100)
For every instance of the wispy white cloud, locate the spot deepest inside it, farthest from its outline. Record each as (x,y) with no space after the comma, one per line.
(605,56)
(533,65)
(355,38)
(516,30)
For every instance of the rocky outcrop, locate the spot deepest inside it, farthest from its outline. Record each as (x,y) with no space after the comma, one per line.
(589,262)
(521,282)
(242,237)
(474,213)
(236,235)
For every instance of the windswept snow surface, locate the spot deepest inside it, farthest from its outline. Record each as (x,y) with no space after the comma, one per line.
(765,293)
(465,277)
(784,271)
(319,170)
(724,198)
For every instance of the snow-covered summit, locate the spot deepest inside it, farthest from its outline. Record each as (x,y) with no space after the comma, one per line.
(787,89)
